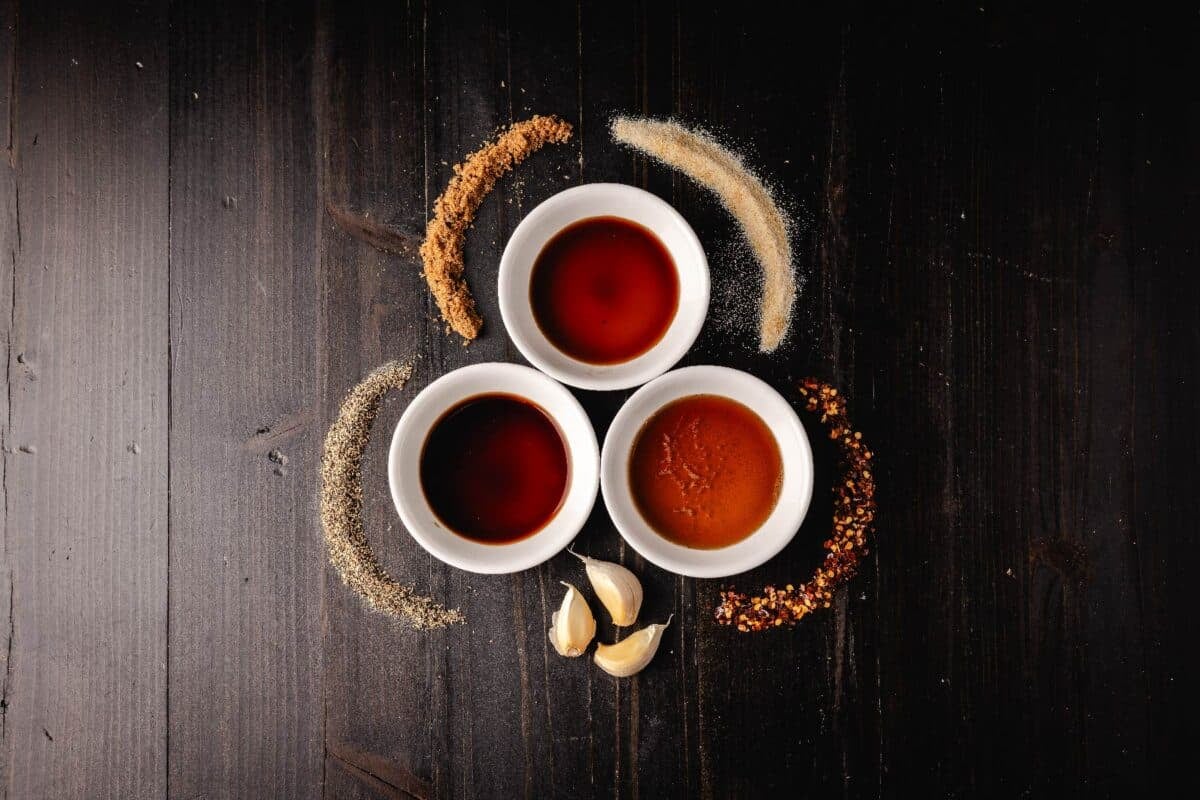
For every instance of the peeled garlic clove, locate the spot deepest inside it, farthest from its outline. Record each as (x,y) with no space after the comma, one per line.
(618,589)
(572,626)
(631,655)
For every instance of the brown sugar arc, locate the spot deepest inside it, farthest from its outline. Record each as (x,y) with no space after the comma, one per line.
(454,211)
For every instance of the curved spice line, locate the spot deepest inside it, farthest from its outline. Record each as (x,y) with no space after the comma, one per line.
(853,521)
(341,507)
(454,210)
(698,156)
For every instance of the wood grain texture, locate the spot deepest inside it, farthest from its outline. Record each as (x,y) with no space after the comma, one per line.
(996,226)
(85,432)
(928,271)
(8,260)
(373,143)
(246,555)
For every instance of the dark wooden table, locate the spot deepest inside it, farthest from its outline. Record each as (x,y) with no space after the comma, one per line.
(998,240)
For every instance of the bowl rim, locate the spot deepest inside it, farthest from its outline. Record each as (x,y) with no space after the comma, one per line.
(442,394)
(795,495)
(616,200)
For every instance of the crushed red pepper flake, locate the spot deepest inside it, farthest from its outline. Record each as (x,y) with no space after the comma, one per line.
(853,522)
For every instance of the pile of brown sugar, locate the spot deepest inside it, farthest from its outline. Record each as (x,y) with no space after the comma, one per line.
(341,507)
(474,178)
(853,521)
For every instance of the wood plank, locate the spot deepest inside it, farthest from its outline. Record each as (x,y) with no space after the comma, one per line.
(1136,244)
(370,97)
(1164,170)
(969,383)
(8,259)
(84,237)
(247,335)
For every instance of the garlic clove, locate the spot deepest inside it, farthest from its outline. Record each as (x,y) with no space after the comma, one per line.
(631,655)
(572,626)
(619,589)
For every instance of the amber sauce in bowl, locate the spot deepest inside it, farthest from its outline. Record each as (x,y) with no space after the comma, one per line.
(705,471)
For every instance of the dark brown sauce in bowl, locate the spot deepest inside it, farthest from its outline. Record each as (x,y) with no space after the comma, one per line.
(604,290)
(494,468)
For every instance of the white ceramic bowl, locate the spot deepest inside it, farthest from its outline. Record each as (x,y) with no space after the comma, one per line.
(404,470)
(794,496)
(603,200)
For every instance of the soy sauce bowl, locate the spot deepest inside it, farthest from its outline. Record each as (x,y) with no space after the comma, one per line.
(603,200)
(795,453)
(429,407)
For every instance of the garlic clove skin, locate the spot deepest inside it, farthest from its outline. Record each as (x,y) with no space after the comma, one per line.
(631,655)
(619,589)
(572,626)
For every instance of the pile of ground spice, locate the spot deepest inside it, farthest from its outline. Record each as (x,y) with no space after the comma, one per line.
(341,507)
(701,158)
(853,521)
(474,178)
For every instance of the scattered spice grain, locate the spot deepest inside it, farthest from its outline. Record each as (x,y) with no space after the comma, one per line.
(474,178)
(747,198)
(341,507)
(853,521)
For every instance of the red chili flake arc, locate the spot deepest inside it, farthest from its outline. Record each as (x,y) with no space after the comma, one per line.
(853,521)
